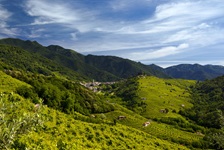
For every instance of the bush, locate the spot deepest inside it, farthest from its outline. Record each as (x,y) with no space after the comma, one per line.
(15,122)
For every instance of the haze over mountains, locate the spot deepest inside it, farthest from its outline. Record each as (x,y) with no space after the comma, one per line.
(101,68)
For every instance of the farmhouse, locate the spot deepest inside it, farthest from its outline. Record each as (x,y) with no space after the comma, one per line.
(145,124)
(121,117)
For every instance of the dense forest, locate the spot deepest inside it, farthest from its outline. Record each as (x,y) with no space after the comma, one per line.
(208,109)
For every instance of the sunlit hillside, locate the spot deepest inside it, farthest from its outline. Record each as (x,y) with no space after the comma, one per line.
(164,97)
(39,127)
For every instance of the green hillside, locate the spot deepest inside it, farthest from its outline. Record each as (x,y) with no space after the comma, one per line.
(178,110)
(45,103)
(25,126)
(100,68)
(17,58)
(171,95)
(104,130)
(147,96)
(120,67)
(195,71)
(8,84)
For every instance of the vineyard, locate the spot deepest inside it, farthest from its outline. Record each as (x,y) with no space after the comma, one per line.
(56,130)
(159,130)
(160,94)
(38,126)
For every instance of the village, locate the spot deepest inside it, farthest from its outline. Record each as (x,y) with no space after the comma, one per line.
(94,86)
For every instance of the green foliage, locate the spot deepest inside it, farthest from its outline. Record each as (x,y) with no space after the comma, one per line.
(63,132)
(22,127)
(91,120)
(151,95)
(207,98)
(14,121)
(181,124)
(207,111)
(8,84)
(18,58)
(122,68)
(158,129)
(61,94)
(127,91)
(31,56)
(215,139)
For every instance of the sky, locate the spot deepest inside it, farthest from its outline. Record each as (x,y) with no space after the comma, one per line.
(161,32)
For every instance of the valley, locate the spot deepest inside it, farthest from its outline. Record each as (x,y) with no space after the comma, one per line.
(55,98)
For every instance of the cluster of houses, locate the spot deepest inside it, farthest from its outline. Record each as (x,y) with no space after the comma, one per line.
(94,86)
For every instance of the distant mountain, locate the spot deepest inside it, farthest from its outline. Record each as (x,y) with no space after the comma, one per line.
(120,67)
(100,68)
(155,67)
(195,71)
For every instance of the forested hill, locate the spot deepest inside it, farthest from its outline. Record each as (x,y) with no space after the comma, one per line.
(195,71)
(208,110)
(208,103)
(100,68)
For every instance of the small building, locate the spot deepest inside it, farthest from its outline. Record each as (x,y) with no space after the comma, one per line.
(145,124)
(165,111)
(121,117)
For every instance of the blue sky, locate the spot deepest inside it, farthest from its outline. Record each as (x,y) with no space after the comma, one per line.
(163,32)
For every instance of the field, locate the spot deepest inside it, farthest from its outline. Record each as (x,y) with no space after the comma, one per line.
(170,95)
(159,130)
(103,130)
(61,131)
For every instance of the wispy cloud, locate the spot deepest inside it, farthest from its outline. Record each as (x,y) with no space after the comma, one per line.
(4,27)
(61,13)
(139,30)
(127,5)
(47,12)
(162,52)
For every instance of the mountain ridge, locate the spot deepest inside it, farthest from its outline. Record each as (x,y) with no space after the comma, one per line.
(88,66)
(112,68)
(140,112)
(195,71)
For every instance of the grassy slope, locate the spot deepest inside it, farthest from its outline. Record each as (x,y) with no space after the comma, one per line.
(164,93)
(159,130)
(63,131)
(159,94)
(8,84)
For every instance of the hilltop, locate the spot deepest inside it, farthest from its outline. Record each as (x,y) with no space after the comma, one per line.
(70,63)
(101,68)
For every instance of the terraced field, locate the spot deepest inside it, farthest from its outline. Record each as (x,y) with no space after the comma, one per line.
(62,131)
(170,95)
(159,130)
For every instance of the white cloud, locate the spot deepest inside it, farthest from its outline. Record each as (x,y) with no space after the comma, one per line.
(162,52)
(49,12)
(4,27)
(4,14)
(35,33)
(123,5)
(174,22)
(59,12)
